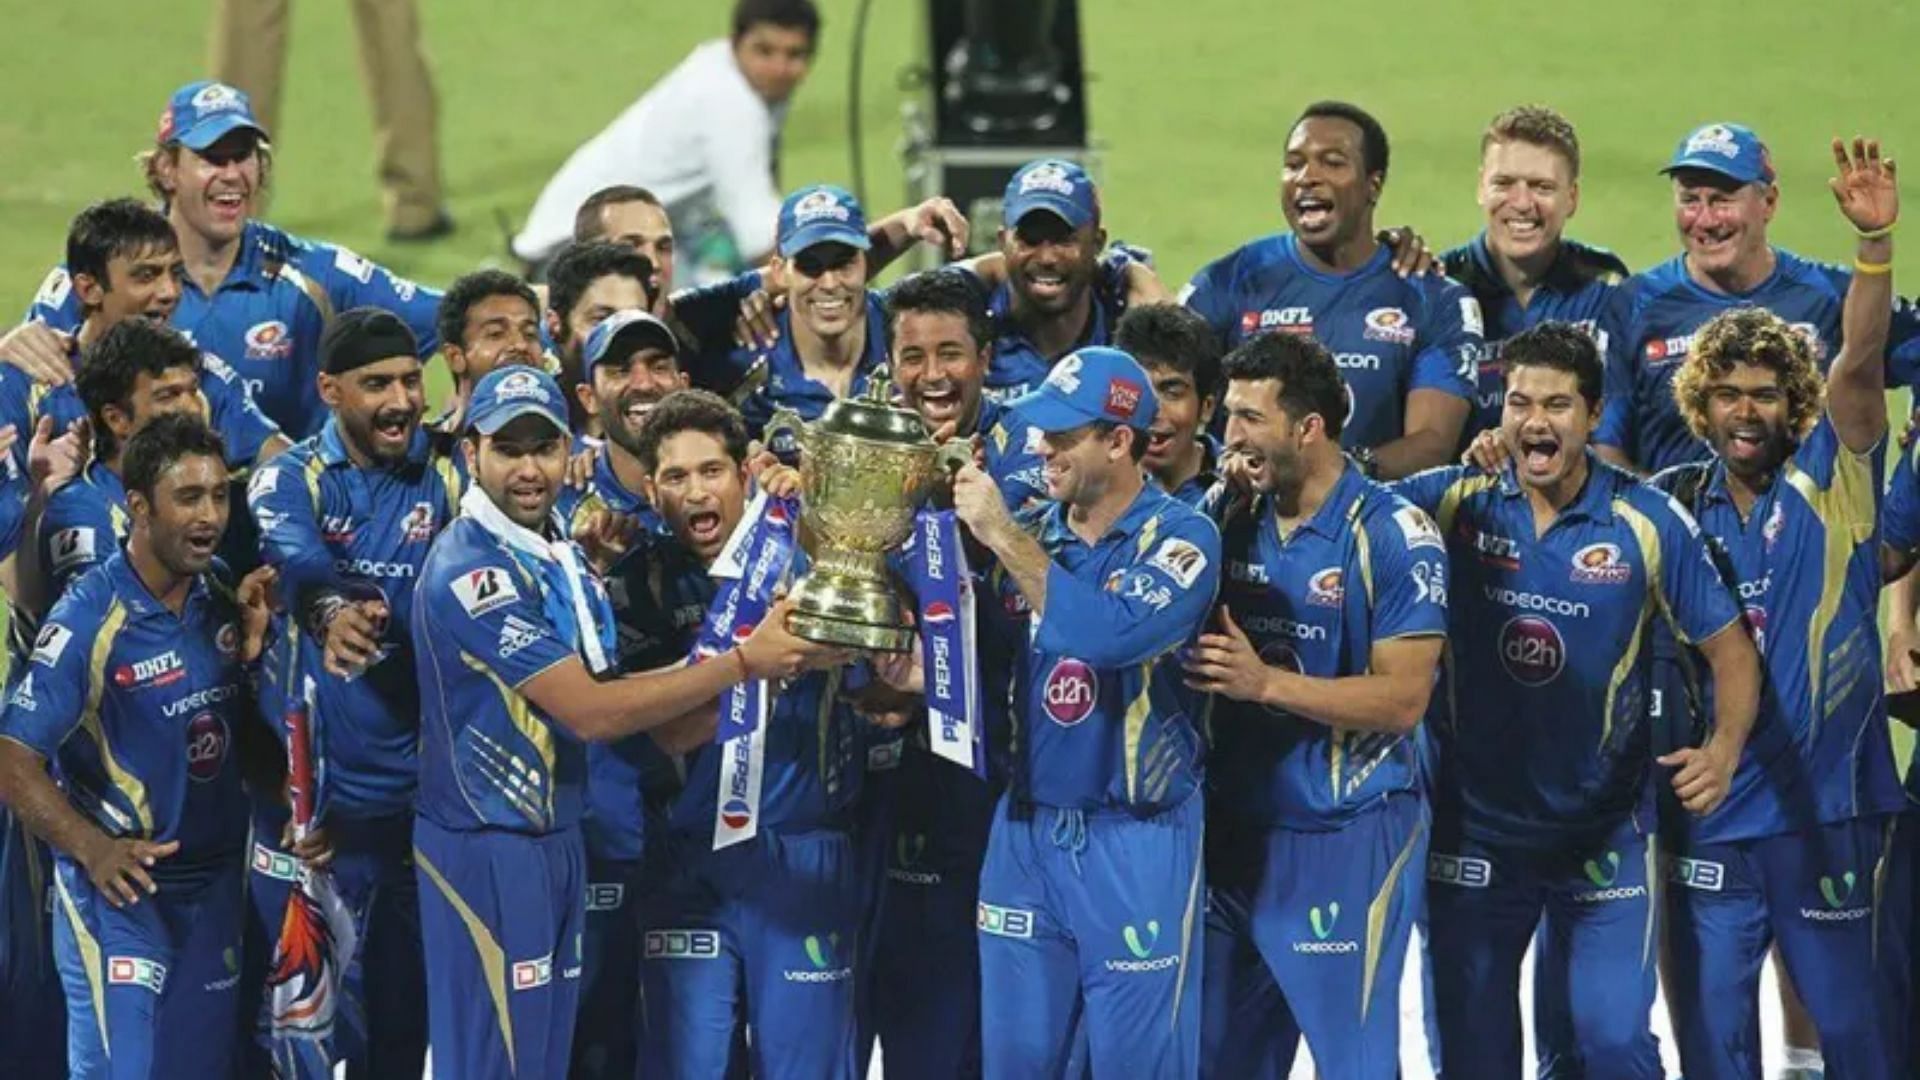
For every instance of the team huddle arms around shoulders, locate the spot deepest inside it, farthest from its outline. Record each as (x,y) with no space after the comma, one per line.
(1505,593)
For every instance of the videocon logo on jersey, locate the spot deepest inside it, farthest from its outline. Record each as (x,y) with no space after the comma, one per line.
(1603,872)
(1323,921)
(1141,940)
(823,952)
(1843,902)
(908,850)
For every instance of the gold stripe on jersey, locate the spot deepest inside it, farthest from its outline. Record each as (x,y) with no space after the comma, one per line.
(312,288)
(311,474)
(1135,728)
(128,784)
(824,764)
(1458,492)
(493,959)
(1845,509)
(90,962)
(1377,914)
(1186,929)
(531,727)
(1337,745)
(1648,537)
(1887,838)
(449,479)
(1650,855)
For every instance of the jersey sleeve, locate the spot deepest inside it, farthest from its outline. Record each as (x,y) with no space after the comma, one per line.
(76,535)
(351,281)
(45,704)
(492,615)
(708,312)
(1426,489)
(1158,603)
(56,303)
(1013,464)
(1618,353)
(230,408)
(285,509)
(1210,296)
(1695,594)
(1452,337)
(1409,574)
(1900,516)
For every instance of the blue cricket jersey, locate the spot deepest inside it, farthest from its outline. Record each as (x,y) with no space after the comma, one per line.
(1018,365)
(265,318)
(336,530)
(1102,717)
(1578,288)
(1542,744)
(1367,567)
(1659,311)
(137,709)
(604,491)
(484,624)
(1389,335)
(1804,563)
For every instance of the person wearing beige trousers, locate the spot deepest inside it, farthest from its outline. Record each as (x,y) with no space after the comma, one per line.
(249,50)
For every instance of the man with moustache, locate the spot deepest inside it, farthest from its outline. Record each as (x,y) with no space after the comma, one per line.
(1408,347)
(1182,357)
(253,295)
(1724,196)
(586,284)
(486,319)
(1523,269)
(1319,826)
(134,697)
(1543,797)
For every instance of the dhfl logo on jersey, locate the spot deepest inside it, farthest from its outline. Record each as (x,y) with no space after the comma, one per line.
(156,671)
(1532,650)
(1327,588)
(1389,324)
(206,747)
(1071,691)
(1599,564)
(1293,320)
(270,340)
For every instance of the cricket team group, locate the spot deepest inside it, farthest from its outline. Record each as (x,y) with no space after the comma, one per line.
(1345,600)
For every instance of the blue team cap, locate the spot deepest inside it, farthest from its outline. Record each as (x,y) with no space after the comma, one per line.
(821,214)
(624,333)
(1732,150)
(508,393)
(1059,187)
(1090,385)
(200,113)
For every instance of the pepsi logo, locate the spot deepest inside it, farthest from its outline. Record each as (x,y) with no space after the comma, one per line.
(206,747)
(1532,650)
(1072,690)
(742,633)
(777,514)
(736,814)
(939,613)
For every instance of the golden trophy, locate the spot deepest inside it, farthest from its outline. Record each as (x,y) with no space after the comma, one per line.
(866,466)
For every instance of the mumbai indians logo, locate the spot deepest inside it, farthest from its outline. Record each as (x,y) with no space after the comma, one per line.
(820,204)
(1141,947)
(1714,139)
(1599,564)
(1327,588)
(1047,176)
(1603,873)
(1837,892)
(908,850)
(521,384)
(216,97)
(1322,921)
(823,954)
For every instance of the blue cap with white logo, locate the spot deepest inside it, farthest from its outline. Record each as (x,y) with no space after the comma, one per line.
(507,393)
(821,214)
(1061,188)
(1732,150)
(200,114)
(623,333)
(1087,386)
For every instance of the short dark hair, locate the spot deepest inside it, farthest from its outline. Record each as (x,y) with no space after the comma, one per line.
(1172,336)
(1560,346)
(793,14)
(114,227)
(110,366)
(160,445)
(1137,448)
(1373,137)
(941,292)
(469,289)
(1309,380)
(691,410)
(578,266)
(586,220)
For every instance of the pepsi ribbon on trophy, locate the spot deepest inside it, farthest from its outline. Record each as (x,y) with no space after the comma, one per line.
(937,564)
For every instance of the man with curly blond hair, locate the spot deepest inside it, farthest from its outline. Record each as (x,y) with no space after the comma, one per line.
(1801,851)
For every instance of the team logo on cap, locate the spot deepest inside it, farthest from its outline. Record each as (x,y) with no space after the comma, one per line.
(1046,176)
(521,384)
(1072,690)
(1389,324)
(269,340)
(1123,398)
(817,205)
(217,97)
(1713,139)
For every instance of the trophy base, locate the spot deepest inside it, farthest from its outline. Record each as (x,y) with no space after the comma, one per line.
(850,612)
